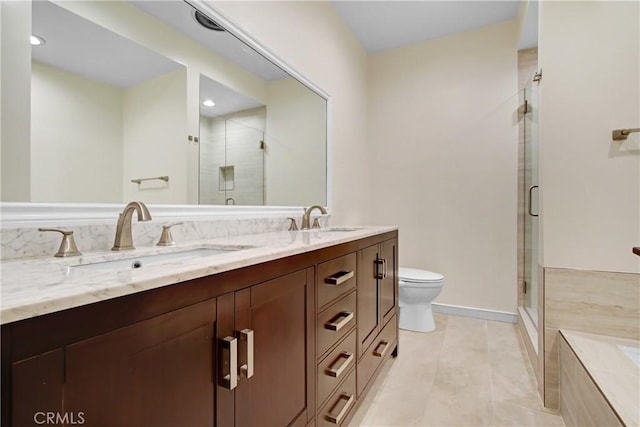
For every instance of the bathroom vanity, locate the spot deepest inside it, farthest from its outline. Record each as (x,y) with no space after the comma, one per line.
(289,330)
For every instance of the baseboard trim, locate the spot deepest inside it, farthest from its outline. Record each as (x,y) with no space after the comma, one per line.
(477,313)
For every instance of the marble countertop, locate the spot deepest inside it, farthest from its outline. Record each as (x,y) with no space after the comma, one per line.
(615,374)
(36,286)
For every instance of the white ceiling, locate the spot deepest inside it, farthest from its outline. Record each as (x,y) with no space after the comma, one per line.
(384,25)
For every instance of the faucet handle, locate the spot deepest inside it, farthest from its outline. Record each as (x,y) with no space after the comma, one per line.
(316,224)
(68,245)
(166,239)
(293,226)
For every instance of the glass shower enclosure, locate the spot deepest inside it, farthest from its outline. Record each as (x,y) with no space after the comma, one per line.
(530,182)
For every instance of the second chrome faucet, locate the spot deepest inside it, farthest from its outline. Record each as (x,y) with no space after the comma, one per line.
(124,239)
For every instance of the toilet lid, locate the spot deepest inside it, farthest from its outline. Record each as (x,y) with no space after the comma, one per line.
(419,276)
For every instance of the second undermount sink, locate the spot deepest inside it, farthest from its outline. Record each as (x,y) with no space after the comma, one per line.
(134,263)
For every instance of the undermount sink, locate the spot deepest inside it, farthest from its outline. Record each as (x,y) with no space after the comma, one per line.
(341,229)
(136,262)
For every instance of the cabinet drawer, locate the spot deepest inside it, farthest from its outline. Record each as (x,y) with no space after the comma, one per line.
(336,278)
(377,352)
(335,322)
(336,366)
(337,408)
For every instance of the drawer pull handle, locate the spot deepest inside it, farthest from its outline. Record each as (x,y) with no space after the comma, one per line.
(246,355)
(339,278)
(337,419)
(229,365)
(346,358)
(384,350)
(346,317)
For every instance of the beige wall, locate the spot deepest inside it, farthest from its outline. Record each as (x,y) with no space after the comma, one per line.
(314,41)
(154,129)
(443,131)
(590,185)
(76,137)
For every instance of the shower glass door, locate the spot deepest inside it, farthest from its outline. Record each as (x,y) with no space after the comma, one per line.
(531,200)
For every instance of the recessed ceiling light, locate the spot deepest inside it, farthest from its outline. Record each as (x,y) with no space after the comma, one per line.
(37,40)
(208,103)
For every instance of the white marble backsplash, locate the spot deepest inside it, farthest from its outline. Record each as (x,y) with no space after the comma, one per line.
(16,243)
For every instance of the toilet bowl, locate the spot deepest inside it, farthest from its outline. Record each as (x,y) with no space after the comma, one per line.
(418,288)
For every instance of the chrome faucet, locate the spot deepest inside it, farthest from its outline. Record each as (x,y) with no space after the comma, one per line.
(307,215)
(124,239)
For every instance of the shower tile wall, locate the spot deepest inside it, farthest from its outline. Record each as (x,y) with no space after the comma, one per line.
(211,159)
(233,140)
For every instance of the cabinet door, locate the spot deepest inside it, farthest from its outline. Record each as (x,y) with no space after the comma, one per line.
(157,372)
(367,297)
(36,388)
(388,297)
(280,314)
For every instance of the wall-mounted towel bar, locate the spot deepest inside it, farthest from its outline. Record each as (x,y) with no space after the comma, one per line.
(622,134)
(139,180)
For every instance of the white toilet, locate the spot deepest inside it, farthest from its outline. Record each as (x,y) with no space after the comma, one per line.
(418,288)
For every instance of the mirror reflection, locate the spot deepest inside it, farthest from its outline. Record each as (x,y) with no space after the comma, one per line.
(232,145)
(123,93)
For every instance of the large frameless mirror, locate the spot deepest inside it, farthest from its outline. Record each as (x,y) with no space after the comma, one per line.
(147,100)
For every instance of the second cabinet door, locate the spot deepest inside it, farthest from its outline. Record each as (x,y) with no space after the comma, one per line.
(274,379)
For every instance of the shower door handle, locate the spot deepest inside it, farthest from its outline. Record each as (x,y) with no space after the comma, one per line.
(530,198)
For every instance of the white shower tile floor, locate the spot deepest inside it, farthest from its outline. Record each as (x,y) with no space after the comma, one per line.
(468,372)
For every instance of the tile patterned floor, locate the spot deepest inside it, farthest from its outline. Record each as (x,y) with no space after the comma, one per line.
(469,372)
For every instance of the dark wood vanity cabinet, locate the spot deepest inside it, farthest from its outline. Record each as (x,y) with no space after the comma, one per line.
(290,342)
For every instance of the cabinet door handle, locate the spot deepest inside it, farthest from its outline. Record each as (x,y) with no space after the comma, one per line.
(346,317)
(346,359)
(530,201)
(229,363)
(337,419)
(384,350)
(379,262)
(384,268)
(246,353)
(338,278)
